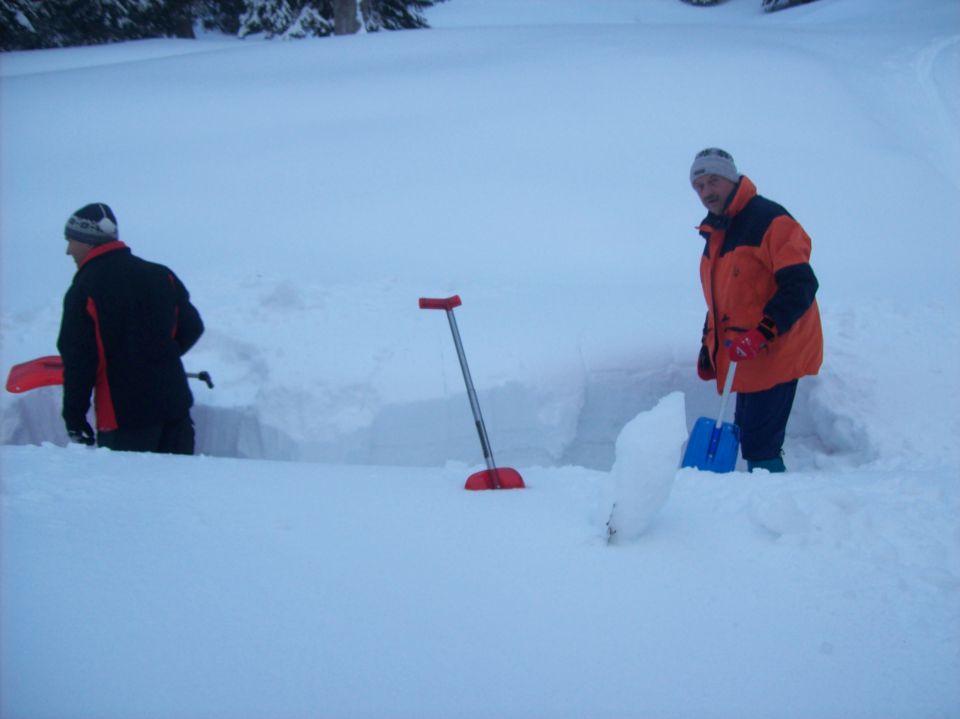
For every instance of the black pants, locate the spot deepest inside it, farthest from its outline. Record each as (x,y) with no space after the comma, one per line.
(173,437)
(762,419)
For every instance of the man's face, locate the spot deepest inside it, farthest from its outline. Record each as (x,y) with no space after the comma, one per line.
(714,191)
(77,250)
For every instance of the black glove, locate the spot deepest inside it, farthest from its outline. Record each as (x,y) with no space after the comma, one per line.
(705,369)
(81,432)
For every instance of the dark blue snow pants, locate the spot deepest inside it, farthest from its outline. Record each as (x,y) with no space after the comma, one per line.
(762,419)
(174,437)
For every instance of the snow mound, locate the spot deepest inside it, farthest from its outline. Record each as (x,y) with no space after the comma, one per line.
(648,454)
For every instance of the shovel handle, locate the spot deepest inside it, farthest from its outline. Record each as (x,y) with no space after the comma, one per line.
(718,426)
(727,387)
(203,376)
(446,303)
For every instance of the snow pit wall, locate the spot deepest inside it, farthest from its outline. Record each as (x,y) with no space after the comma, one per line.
(553,424)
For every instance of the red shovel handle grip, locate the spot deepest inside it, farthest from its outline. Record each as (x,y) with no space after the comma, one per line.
(447,303)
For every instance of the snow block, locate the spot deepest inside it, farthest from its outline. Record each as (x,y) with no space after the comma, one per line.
(646,464)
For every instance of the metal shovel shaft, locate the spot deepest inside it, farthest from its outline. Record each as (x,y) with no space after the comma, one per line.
(727,388)
(718,427)
(493,477)
(472,394)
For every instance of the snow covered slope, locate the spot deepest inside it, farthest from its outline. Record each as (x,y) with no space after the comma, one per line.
(531,156)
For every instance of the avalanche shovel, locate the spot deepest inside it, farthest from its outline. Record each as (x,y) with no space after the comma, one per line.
(492,477)
(46,371)
(715,444)
(40,372)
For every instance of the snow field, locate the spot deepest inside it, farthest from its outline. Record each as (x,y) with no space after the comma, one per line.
(531,157)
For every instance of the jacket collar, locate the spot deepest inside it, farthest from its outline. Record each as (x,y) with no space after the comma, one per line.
(101,250)
(744,191)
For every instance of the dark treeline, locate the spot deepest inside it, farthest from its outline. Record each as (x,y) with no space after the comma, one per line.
(33,24)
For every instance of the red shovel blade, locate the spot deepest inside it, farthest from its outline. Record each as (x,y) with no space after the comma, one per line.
(499,478)
(39,372)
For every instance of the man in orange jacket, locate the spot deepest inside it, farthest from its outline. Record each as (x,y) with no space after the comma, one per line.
(761,308)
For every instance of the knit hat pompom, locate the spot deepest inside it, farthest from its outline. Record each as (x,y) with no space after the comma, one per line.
(94,224)
(714,161)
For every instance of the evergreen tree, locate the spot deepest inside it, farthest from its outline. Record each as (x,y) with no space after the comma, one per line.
(771,5)
(299,18)
(278,17)
(23,24)
(768,5)
(394,14)
(31,24)
(222,15)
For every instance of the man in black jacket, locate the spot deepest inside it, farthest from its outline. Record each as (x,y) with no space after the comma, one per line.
(126,323)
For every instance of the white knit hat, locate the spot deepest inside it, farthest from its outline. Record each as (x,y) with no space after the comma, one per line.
(714,161)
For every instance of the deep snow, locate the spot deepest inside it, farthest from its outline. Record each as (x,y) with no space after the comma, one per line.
(531,156)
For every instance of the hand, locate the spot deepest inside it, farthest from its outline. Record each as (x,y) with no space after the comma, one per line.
(81,432)
(747,347)
(705,370)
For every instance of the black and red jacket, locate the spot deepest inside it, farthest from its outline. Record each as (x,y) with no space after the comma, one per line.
(126,322)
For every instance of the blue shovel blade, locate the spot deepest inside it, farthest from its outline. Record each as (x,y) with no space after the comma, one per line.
(712,449)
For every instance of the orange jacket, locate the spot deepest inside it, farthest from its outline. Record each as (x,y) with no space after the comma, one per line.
(755,268)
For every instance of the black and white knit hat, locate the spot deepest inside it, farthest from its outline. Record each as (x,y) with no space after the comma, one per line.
(94,225)
(714,161)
